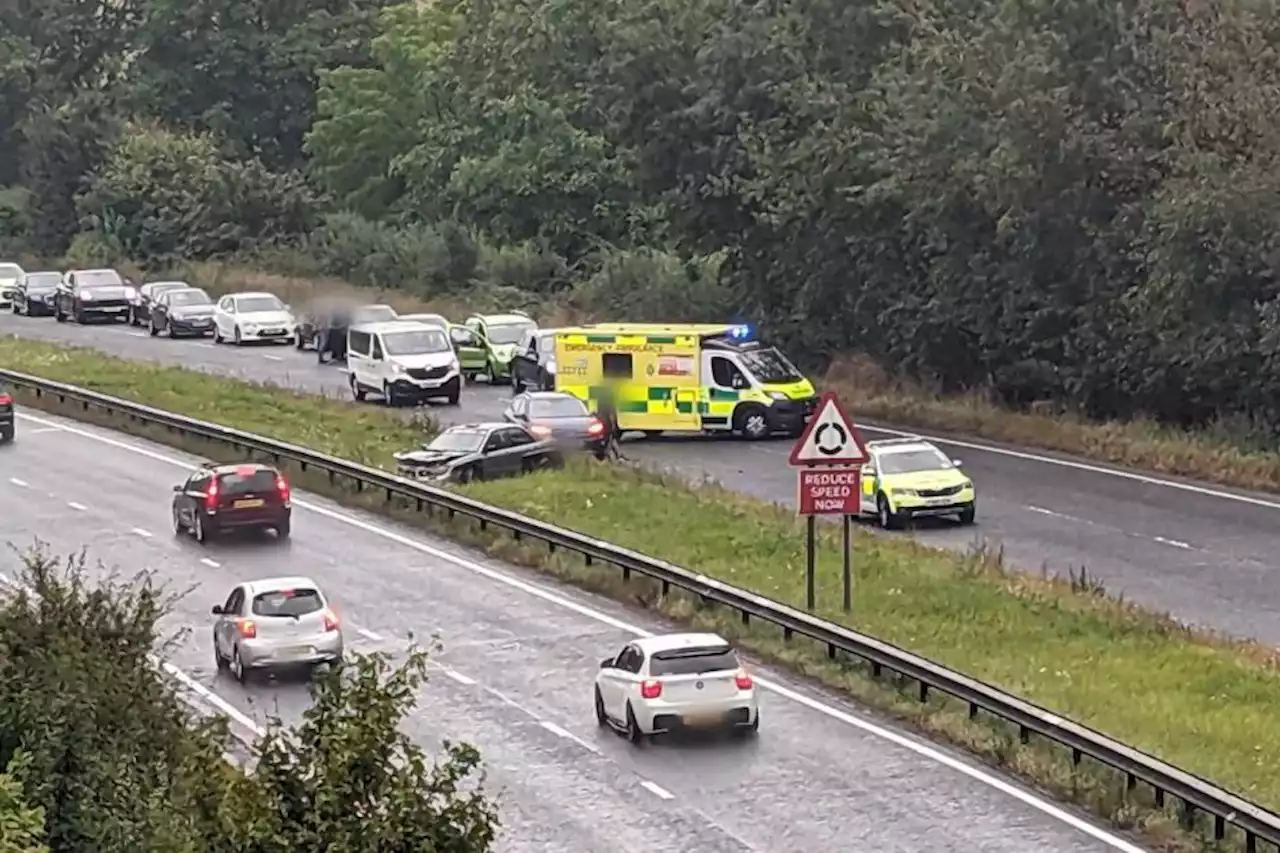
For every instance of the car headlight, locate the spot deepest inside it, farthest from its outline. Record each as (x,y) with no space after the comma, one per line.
(455,365)
(131,294)
(86,296)
(904,492)
(397,367)
(551,365)
(777,395)
(967,484)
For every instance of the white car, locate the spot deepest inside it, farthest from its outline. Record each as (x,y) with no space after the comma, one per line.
(275,623)
(10,277)
(245,317)
(674,682)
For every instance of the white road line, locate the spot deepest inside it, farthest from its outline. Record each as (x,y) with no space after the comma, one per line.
(145,534)
(369,635)
(140,334)
(1148,479)
(656,789)
(1174,542)
(460,678)
(568,735)
(21,483)
(1042,511)
(213,698)
(39,431)
(273,358)
(213,564)
(78,506)
(924,750)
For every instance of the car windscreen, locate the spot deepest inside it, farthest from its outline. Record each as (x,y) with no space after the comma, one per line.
(913,461)
(255,304)
(427,319)
(189,297)
(10,272)
(458,441)
(415,342)
(373,314)
(694,661)
(508,333)
(287,602)
(39,282)
(770,366)
(160,287)
(99,278)
(557,407)
(245,482)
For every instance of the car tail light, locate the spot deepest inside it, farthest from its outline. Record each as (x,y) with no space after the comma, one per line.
(282,486)
(330,620)
(743,680)
(248,629)
(6,400)
(651,688)
(595,427)
(211,497)
(540,430)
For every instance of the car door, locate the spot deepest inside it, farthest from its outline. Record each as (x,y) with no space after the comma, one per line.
(192,495)
(496,460)
(621,679)
(518,411)
(222,316)
(868,492)
(225,625)
(62,296)
(159,312)
(518,442)
(375,366)
(471,355)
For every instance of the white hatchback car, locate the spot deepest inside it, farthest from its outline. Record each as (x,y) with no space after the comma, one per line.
(275,622)
(675,682)
(244,317)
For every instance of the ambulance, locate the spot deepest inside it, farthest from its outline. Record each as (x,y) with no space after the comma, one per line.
(690,378)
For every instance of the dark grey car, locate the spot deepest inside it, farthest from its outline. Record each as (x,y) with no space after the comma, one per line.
(35,294)
(560,417)
(469,452)
(182,312)
(140,310)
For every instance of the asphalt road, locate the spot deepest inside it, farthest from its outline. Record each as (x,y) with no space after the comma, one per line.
(1206,555)
(515,677)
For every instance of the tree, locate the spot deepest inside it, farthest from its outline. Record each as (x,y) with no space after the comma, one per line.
(21,826)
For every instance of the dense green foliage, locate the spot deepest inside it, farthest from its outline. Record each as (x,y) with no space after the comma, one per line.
(103,757)
(1069,200)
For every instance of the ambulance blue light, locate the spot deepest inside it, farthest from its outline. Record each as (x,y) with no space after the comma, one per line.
(742,333)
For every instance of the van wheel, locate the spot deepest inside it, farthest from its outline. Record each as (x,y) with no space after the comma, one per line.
(389,396)
(356,391)
(752,422)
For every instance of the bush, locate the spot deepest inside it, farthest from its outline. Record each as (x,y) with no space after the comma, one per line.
(15,220)
(422,259)
(644,285)
(103,754)
(163,197)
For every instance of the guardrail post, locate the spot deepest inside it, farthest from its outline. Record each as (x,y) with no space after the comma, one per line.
(1250,843)
(1159,797)
(1076,756)
(1219,827)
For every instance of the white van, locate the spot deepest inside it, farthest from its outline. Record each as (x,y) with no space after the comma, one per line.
(403,361)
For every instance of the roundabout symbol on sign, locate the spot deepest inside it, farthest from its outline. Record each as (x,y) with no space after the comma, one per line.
(838,439)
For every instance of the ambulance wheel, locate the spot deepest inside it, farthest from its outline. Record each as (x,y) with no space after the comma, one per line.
(752,422)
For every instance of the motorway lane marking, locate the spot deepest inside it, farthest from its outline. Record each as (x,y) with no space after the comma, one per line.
(922,749)
(145,534)
(459,677)
(369,635)
(1173,542)
(273,357)
(213,698)
(1042,511)
(77,506)
(213,564)
(654,788)
(39,431)
(20,483)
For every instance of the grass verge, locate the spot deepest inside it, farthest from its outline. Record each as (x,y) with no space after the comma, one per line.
(1215,456)
(1199,701)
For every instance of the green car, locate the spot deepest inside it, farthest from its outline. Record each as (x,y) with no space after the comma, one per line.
(486,343)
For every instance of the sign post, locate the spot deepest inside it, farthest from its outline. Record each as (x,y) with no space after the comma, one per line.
(829,456)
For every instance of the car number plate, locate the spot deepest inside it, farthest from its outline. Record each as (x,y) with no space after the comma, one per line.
(701,719)
(249,504)
(115,309)
(939,501)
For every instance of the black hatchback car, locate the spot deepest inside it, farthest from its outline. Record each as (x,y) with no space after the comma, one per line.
(558,416)
(219,498)
(6,416)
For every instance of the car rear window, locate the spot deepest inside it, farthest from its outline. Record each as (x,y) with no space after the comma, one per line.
(287,602)
(694,661)
(240,483)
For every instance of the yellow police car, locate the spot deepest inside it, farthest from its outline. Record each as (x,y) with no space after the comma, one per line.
(910,478)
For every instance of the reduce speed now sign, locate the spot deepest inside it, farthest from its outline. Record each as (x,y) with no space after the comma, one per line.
(830,491)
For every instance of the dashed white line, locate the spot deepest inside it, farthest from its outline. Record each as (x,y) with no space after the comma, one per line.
(1042,511)
(1172,542)
(369,635)
(511,581)
(656,789)
(213,564)
(39,431)
(78,506)
(145,534)
(23,483)
(460,678)
(273,358)
(213,698)
(568,735)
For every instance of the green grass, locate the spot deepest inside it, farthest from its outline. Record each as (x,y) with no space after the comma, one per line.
(1203,703)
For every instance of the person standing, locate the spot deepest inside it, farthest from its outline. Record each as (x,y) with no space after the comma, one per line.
(607,412)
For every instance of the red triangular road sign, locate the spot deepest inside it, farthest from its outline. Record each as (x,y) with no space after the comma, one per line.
(830,437)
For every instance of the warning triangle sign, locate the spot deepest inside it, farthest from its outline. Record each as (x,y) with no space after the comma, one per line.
(830,437)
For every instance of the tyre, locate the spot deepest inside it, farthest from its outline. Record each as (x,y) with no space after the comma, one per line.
(201,533)
(389,395)
(969,514)
(237,666)
(469,378)
(751,730)
(217,335)
(13,306)
(517,385)
(298,342)
(170,332)
(283,529)
(889,520)
(752,422)
(634,734)
(356,391)
(151,327)
(238,341)
(453,392)
(6,435)
(132,318)
(80,316)
(178,527)
(602,719)
(219,661)
(57,312)
(467,475)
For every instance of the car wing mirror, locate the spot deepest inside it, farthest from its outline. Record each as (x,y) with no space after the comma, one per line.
(607,663)
(956,462)
(216,610)
(177,488)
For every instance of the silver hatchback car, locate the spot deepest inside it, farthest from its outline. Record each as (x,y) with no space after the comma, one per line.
(275,622)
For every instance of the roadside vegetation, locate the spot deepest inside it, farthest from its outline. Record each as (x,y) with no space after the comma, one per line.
(100,754)
(1199,701)
(1063,209)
